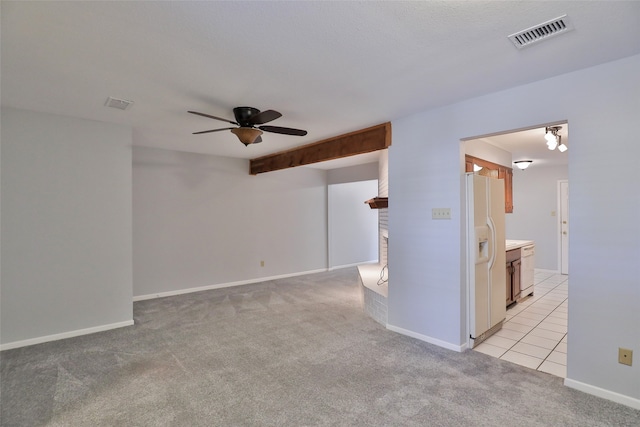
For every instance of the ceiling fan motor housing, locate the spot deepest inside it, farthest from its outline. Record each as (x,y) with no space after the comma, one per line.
(242,115)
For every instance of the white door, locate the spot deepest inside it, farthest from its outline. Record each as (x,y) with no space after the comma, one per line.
(563,190)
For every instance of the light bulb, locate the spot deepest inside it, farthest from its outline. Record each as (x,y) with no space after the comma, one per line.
(562,148)
(550,137)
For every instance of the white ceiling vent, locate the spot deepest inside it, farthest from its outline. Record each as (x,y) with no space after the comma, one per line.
(541,32)
(121,104)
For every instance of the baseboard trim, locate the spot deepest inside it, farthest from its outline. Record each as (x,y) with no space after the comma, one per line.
(430,340)
(603,393)
(338,267)
(222,285)
(542,270)
(64,335)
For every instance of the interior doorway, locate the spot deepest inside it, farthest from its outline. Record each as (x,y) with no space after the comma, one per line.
(352,228)
(539,211)
(535,329)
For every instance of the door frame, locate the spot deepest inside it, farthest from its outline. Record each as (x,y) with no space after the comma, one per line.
(563,206)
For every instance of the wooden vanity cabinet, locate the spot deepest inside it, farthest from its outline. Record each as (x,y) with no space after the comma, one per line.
(504,173)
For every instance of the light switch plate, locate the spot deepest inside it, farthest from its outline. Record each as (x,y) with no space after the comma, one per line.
(441,213)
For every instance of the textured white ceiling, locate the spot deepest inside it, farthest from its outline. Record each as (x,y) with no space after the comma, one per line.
(328,67)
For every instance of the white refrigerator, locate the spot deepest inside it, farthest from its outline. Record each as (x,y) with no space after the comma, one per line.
(486,271)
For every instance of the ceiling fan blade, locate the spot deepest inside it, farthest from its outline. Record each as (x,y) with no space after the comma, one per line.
(212,117)
(264,117)
(284,131)
(212,130)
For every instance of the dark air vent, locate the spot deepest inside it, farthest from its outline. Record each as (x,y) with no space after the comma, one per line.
(541,32)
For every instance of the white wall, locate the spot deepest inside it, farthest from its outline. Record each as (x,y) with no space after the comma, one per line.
(483,150)
(365,172)
(353,226)
(601,105)
(202,220)
(353,232)
(535,212)
(66,226)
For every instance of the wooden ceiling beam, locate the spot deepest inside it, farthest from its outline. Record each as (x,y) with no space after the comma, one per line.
(359,142)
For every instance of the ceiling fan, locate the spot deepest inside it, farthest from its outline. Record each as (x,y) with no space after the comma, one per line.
(248,119)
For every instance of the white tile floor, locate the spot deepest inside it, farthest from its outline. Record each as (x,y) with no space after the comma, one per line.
(535,331)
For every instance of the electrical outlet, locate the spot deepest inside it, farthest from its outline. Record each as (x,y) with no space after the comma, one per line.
(625,356)
(441,213)
(261,263)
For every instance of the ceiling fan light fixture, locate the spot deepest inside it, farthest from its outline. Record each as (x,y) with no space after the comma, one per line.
(562,148)
(247,135)
(523,164)
(247,118)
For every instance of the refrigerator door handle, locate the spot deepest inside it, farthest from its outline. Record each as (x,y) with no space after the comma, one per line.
(492,243)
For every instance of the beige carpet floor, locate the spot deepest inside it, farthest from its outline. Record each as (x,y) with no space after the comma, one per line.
(291,352)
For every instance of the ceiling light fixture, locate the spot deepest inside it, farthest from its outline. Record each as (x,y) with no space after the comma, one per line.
(523,164)
(247,135)
(553,139)
(562,147)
